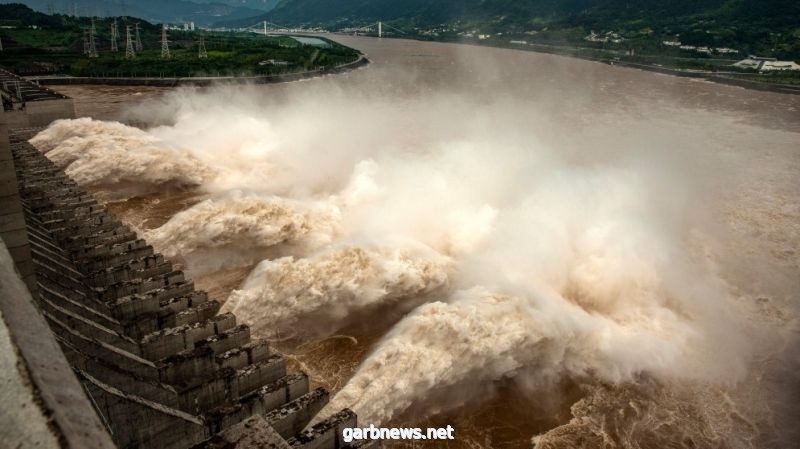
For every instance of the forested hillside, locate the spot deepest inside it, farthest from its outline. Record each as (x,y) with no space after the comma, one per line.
(764,26)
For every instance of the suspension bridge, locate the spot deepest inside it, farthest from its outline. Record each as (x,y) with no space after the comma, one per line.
(379,28)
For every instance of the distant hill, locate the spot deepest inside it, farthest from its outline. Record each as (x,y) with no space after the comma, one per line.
(202,12)
(260,5)
(426,12)
(763,25)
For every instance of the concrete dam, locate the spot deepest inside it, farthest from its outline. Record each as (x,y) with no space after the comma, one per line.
(113,347)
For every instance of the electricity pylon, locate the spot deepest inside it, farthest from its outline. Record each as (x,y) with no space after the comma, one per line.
(129,52)
(164,43)
(114,36)
(201,49)
(139,46)
(92,45)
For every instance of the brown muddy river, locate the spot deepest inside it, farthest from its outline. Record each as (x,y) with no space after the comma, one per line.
(511,243)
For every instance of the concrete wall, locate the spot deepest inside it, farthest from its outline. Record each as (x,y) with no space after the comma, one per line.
(12,219)
(25,424)
(43,402)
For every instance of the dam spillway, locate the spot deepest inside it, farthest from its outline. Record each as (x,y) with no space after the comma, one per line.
(160,367)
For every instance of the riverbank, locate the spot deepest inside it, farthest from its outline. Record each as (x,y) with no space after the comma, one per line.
(708,76)
(728,78)
(198,81)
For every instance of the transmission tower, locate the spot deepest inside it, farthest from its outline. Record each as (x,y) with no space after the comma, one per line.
(92,45)
(114,36)
(164,43)
(138,39)
(51,8)
(201,49)
(129,51)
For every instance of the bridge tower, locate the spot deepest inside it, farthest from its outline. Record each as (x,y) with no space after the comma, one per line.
(164,42)
(129,51)
(380,29)
(265,28)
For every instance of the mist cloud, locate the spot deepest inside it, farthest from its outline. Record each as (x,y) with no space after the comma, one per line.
(539,253)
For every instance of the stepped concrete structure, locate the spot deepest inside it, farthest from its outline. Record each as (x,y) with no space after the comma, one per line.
(105,344)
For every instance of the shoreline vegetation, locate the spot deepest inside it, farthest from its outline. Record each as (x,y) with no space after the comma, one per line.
(59,47)
(200,80)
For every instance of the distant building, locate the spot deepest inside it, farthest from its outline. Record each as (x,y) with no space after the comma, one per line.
(609,36)
(273,62)
(766,64)
(518,42)
(672,43)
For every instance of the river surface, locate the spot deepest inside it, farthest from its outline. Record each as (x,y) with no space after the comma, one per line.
(735,151)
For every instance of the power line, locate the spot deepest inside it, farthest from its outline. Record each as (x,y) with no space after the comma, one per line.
(139,46)
(164,43)
(129,52)
(114,36)
(92,45)
(201,49)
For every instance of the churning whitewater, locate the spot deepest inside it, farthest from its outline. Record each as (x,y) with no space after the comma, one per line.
(126,160)
(512,257)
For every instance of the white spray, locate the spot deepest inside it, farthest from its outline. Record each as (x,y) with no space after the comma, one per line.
(570,260)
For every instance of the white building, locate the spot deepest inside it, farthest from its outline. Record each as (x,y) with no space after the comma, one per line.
(766,64)
(609,36)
